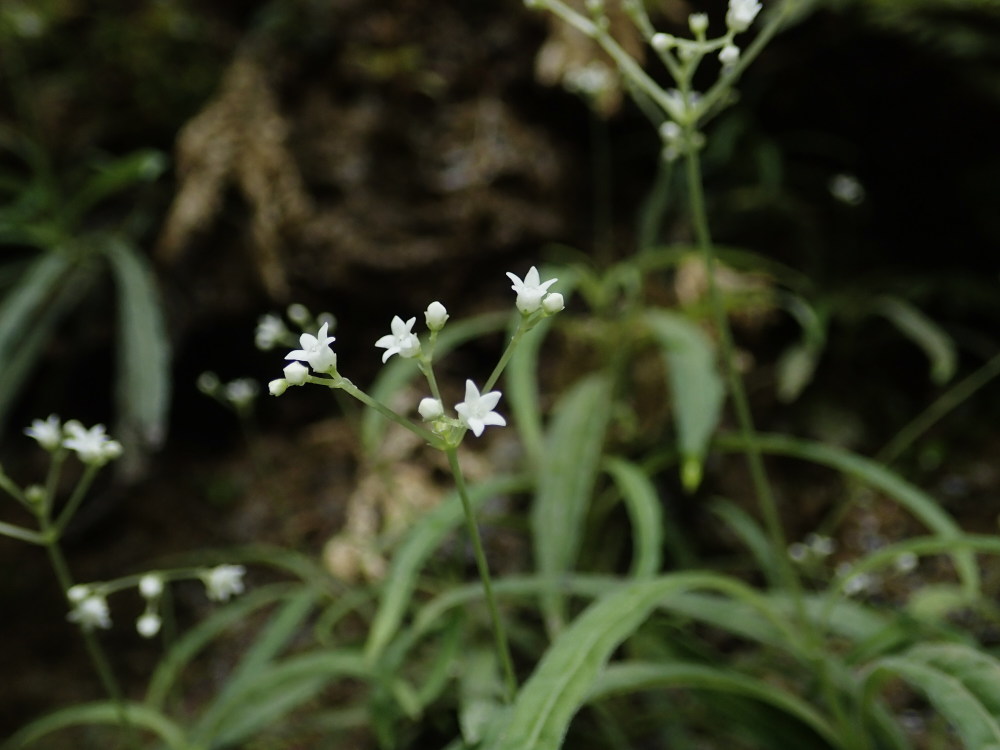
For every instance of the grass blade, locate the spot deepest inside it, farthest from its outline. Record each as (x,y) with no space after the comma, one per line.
(645,513)
(104,712)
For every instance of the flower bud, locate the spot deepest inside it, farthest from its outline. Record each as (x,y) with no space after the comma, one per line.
(729,55)
(78,593)
(436,316)
(277,387)
(296,373)
(662,42)
(35,494)
(148,624)
(298,314)
(698,23)
(150,586)
(430,409)
(553,303)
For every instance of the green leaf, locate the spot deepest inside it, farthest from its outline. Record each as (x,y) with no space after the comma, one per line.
(873,474)
(925,333)
(423,539)
(103,712)
(645,512)
(634,676)
(143,386)
(752,535)
(696,388)
(544,707)
(566,477)
(480,693)
(961,682)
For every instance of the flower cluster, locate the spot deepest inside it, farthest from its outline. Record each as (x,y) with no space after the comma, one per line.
(475,413)
(92,446)
(90,601)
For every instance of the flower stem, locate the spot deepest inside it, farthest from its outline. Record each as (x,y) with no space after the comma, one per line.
(499,634)
(352,390)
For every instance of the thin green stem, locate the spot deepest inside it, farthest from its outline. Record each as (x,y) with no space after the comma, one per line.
(499,634)
(79,492)
(352,390)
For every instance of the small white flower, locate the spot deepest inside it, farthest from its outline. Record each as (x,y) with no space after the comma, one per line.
(430,409)
(553,303)
(277,386)
(662,42)
(92,612)
(91,446)
(845,188)
(48,433)
(223,581)
(298,313)
(741,14)
(729,55)
(151,586)
(476,412)
(530,291)
(241,392)
(148,624)
(270,331)
(435,316)
(698,22)
(78,593)
(316,350)
(401,341)
(208,383)
(296,373)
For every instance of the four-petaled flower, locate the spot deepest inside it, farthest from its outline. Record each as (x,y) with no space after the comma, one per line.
(223,581)
(476,412)
(741,14)
(92,446)
(530,291)
(402,341)
(91,612)
(316,350)
(48,433)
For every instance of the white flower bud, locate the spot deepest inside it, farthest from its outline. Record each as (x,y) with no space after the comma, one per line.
(729,55)
(277,387)
(662,42)
(698,23)
(150,586)
(553,303)
(298,314)
(296,373)
(35,494)
(430,409)
(208,383)
(741,14)
(78,593)
(148,625)
(435,316)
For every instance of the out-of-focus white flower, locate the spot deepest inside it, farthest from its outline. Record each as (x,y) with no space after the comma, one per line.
(48,433)
(430,409)
(316,350)
(223,581)
(151,586)
(906,562)
(847,189)
(298,313)
(208,383)
(91,446)
(741,14)
(148,624)
(435,316)
(296,373)
(270,331)
(78,593)
(401,341)
(476,412)
(530,291)
(91,612)
(241,392)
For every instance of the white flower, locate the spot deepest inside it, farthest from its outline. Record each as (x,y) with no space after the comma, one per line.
(92,446)
(476,412)
(148,624)
(91,612)
(78,593)
(845,188)
(553,303)
(401,341)
(741,14)
(530,291)
(296,374)
(241,392)
(48,433)
(729,55)
(435,316)
(316,350)
(151,586)
(277,386)
(270,330)
(298,313)
(430,409)
(223,581)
